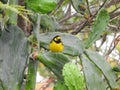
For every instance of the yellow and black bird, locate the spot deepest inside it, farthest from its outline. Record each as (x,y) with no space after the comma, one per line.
(56,44)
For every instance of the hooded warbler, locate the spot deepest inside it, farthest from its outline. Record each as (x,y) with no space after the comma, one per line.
(56,44)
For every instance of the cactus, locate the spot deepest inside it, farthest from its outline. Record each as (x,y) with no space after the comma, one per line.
(74,80)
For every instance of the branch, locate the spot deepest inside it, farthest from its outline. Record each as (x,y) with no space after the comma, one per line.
(67,14)
(115,28)
(88,7)
(86,22)
(71,26)
(58,6)
(80,27)
(113,44)
(103,4)
(68,17)
(113,15)
(115,10)
(112,2)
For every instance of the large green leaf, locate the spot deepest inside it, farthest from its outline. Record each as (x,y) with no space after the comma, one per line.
(41,6)
(104,67)
(73,45)
(92,76)
(53,61)
(98,28)
(73,79)
(13,56)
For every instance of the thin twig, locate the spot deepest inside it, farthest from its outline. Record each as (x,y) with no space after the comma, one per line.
(113,15)
(112,2)
(68,17)
(114,27)
(99,9)
(88,7)
(111,47)
(58,6)
(102,4)
(113,44)
(67,14)
(80,28)
(71,26)
(115,10)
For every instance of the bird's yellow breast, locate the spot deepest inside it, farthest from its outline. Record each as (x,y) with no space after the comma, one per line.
(56,47)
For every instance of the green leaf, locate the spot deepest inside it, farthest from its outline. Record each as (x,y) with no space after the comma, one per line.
(49,23)
(74,80)
(99,27)
(60,86)
(41,6)
(72,45)
(92,75)
(13,57)
(53,61)
(103,66)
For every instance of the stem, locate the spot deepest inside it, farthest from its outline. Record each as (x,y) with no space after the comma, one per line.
(88,7)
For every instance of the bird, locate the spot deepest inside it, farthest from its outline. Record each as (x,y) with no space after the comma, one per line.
(56,44)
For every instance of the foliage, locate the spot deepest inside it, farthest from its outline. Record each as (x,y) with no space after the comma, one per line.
(74,80)
(93,66)
(31,75)
(96,71)
(49,23)
(60,86)
(20,10)
(13,56)
(80,23)
(73,48)
(99,26)
(53,61)
(41,6)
